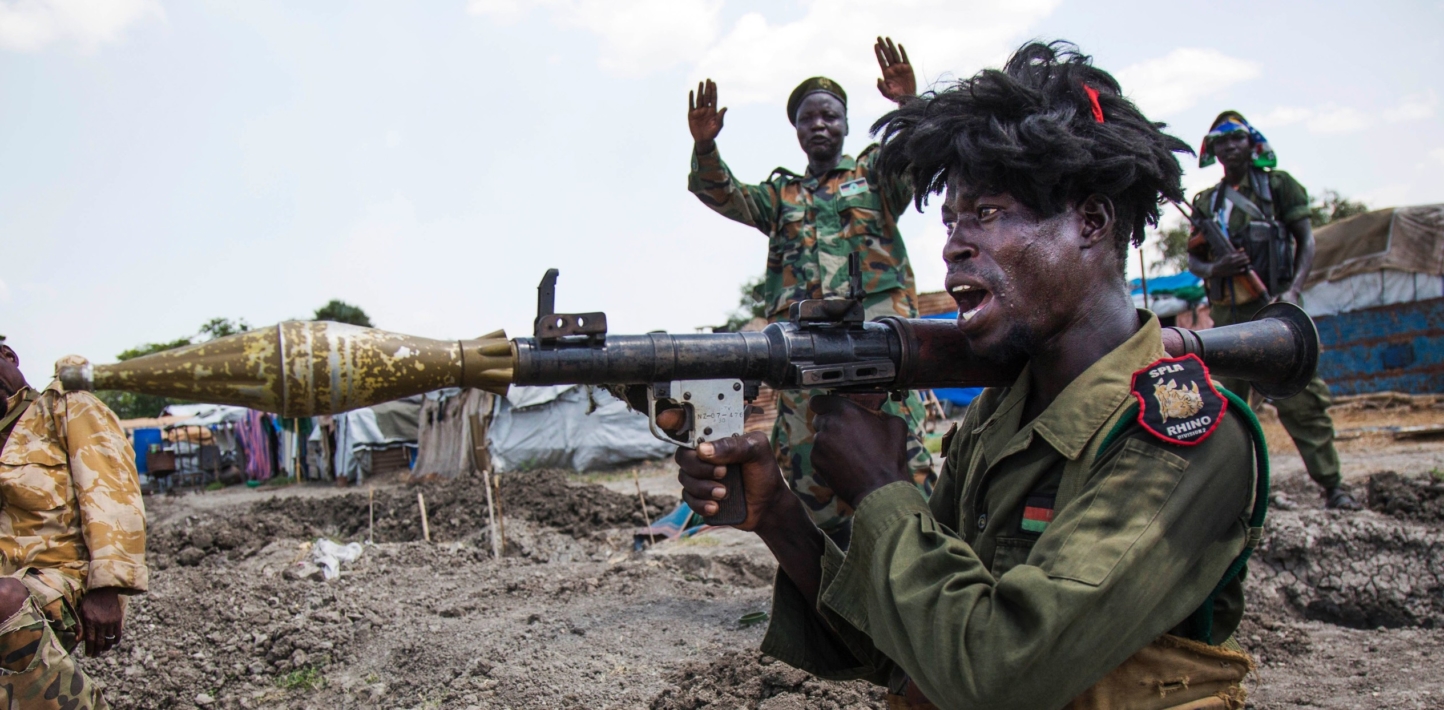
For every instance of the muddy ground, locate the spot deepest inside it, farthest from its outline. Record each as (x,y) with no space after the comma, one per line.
(1346,609)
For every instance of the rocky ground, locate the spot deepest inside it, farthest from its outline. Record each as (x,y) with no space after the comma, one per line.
(1346,609)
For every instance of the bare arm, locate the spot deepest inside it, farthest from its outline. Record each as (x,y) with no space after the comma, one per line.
(1303,235)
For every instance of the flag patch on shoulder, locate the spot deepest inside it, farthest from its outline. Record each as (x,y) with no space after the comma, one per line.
(1177,401)
(852,187)
(1037,513)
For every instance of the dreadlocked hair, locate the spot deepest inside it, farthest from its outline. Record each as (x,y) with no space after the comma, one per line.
(1030,131)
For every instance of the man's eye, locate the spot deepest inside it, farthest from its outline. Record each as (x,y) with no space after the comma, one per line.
(986,212)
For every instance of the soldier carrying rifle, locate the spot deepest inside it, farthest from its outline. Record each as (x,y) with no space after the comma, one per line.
(1264,213)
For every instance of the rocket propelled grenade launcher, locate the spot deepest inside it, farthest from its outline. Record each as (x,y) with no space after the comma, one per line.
(305,368)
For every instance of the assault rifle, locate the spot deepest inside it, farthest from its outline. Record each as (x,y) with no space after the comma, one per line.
(1220,246)
(305,368)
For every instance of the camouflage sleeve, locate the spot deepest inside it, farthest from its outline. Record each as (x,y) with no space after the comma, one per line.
(107,488)
(713,183)
(896,193)
(1291,200)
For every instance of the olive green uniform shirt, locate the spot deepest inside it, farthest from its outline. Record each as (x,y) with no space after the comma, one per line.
(982,613)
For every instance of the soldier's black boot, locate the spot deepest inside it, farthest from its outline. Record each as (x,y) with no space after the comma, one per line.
(1337,498)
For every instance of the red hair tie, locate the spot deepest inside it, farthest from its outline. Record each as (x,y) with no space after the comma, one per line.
(1093,97)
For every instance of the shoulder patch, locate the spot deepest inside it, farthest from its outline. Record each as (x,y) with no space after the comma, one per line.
(1177,401)
(852,188)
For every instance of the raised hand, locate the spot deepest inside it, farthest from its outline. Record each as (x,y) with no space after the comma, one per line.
(898,83)
(703,117)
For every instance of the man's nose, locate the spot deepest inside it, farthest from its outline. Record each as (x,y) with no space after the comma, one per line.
(958,249)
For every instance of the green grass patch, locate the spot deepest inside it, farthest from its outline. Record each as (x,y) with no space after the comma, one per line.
(1437,475)
(933,443)
(307,678)
(278,481)
(215,486)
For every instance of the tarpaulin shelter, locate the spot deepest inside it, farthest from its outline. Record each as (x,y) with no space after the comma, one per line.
(370,440)
(568,426)
(1376,291)
(452,433)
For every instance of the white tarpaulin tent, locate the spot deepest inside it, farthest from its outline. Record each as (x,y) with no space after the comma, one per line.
(1387,256)
(568,426)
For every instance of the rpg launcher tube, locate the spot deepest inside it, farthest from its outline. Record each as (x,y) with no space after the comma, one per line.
(304,368)
(308,368)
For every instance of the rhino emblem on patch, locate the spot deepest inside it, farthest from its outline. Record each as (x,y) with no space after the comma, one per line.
(1176,402)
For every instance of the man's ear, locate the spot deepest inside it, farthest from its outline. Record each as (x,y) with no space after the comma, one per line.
(845,126)
(1098,220)
(9,355)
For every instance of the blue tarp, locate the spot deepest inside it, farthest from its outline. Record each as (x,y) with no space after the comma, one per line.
(960,396)
(1166,283)
(143,439)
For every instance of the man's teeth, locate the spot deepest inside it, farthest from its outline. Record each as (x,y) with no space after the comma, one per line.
(961,288)
(968,315)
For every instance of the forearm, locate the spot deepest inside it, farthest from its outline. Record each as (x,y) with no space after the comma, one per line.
(1303,252)
(714,184)
(797,544)
(1200,268)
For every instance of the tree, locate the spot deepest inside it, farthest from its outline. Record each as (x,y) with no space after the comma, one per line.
(1173,248)
(749,306)
(1334,207)
(340,311)
(129,405)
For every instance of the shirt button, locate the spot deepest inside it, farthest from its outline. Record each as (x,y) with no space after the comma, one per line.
(982,521)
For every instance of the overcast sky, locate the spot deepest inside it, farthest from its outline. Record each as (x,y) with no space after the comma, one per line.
(164,163)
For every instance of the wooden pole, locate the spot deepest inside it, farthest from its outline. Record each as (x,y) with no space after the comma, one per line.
(371,515)
(646,517)
(500,517)
(490,515)
(425,526)
(1143,276)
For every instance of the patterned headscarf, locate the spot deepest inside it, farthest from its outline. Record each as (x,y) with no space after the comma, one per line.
(1233,122)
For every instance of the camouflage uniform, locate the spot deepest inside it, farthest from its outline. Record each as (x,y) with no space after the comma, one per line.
(813,224)
(72,520)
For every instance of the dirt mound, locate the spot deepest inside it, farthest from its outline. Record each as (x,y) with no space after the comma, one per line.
(456,510)
(1356,570)
(1418,498)
(749,680)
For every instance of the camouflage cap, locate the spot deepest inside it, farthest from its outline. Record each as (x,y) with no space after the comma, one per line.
(815,85)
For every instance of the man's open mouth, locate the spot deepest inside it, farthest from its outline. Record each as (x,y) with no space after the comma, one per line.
(971,300)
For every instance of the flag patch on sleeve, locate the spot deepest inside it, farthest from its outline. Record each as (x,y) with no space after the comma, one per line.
(1037,513)
(1177,401)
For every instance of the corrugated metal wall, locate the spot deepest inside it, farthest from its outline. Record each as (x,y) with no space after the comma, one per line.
(1398,347)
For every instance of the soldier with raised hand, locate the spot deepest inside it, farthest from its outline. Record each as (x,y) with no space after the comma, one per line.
(813,222)
(1265,212)
(72,539)
(1087,539)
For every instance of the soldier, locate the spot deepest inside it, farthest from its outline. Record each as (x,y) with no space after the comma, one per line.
(1087,536)
(813,223)
(1266,213)
(72,537)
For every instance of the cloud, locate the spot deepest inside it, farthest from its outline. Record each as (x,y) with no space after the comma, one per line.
(637,36)
(1414,107)
(4,292)
(1283,116)
(32,25)
(1437,154)
(756,60)
(1332,119)
(1180,79)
